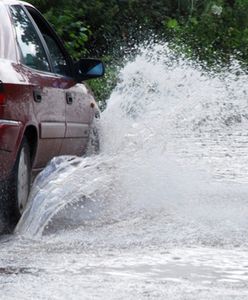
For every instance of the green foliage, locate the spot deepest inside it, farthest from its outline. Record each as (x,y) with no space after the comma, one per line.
(172,24)
(213,29)
(72,30)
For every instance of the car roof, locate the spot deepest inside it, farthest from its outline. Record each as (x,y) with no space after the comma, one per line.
(12,2)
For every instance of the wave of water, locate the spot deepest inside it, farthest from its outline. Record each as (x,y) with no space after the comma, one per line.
(173,166)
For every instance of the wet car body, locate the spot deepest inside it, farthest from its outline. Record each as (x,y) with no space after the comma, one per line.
(43,102)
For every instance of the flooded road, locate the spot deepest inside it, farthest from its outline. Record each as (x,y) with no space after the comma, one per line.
(161,212)
(64,272)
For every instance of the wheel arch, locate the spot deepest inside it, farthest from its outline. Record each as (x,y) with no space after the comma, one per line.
(31,136)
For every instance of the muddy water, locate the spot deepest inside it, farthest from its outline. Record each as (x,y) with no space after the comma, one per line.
(161,213)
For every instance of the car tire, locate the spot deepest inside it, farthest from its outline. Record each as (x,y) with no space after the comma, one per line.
(16,188)
(22,177)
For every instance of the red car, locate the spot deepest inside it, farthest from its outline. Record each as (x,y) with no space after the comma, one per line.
(45,109)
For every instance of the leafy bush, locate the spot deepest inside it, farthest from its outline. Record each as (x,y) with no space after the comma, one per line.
(214,29)
(72,30)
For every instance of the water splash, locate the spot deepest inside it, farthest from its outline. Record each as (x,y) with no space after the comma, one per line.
(173,162)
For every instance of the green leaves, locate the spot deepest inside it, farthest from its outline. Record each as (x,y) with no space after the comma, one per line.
(217,29)
(172,24)
(72,30)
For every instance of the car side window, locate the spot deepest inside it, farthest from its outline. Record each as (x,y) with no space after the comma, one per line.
(59,60)
(59,63)
(31,49)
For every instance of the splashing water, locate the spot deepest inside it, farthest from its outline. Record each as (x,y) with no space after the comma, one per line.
(162,211)
(173,160)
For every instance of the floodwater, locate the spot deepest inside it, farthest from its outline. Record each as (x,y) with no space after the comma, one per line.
(161,212)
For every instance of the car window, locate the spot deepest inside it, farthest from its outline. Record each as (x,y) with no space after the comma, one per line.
(31,49)
(59,63)
(59,60)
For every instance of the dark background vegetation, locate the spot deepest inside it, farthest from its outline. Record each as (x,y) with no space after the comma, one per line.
(111,29)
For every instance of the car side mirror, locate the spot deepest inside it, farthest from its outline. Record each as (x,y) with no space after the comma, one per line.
(88,69)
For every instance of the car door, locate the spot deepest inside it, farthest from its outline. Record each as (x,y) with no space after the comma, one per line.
(43,87)
(78,117)
(76,97)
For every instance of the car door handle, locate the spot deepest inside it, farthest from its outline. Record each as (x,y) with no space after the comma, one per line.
(37,96)
(69,98)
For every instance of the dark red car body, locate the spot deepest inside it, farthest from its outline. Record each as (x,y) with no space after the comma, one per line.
(45,109)
(52,111)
